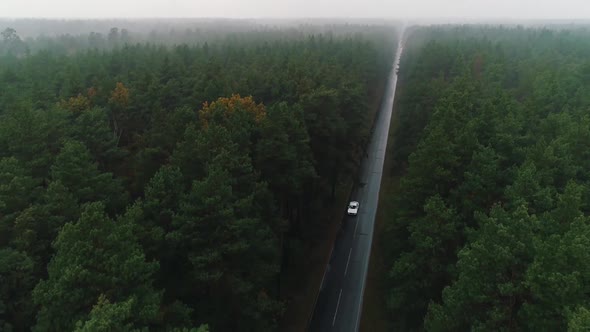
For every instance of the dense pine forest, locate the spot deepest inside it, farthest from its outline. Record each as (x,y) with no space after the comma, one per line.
(492,229)
(150,185)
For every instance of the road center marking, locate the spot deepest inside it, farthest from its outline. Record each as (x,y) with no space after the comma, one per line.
(337,305)
(348,261)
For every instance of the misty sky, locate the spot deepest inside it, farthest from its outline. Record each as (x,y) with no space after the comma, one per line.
(568,9)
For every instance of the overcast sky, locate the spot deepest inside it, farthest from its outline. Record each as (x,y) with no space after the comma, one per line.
(560,9)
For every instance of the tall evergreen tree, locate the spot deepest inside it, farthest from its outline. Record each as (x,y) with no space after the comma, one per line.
(76,170)
(97,260)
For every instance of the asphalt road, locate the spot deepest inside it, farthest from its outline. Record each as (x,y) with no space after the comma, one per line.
(340,301)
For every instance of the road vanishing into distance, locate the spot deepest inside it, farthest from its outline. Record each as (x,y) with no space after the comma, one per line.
(340,301)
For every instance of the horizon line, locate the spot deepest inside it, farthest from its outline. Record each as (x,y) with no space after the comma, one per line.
(394,18)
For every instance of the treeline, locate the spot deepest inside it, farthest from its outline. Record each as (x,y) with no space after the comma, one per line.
(204,27)
(153,187)
(71,36)
(491,229)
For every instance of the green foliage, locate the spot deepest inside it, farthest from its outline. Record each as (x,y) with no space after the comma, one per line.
(92,128)
(202,328)
(16,284)
(579,320)
(213,146)
(284,158)
(162,199)
(31,136)
(283,153)
(491,275)
(37,226)
(97,260)
(76,170)
(17,190)
(223,238)
(106,316)
(491,222)
(12,43)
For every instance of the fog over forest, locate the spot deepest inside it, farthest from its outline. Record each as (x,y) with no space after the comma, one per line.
(196,166)
(481,9)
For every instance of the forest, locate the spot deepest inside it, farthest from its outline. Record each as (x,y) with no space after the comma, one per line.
(491,222)
(157,186)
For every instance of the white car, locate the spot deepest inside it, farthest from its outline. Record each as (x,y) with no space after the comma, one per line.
(353,208)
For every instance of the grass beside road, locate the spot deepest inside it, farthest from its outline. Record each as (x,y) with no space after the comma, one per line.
(375,315)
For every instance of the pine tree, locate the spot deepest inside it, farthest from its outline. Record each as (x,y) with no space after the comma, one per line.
(17,190)
(97,259)
(76,170)
(16,284)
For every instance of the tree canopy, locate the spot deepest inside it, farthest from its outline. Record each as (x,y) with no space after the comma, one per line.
(490,227)
(151,181)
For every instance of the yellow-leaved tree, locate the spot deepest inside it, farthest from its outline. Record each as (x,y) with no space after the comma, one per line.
(224,109)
